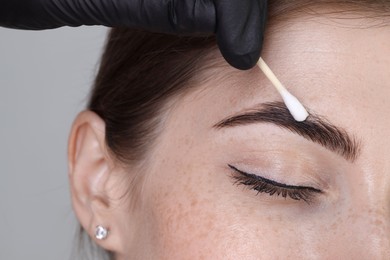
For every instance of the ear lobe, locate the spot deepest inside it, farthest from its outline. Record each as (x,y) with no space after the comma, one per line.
(89,170)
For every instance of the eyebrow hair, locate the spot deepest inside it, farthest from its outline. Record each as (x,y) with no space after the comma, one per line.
(315,128)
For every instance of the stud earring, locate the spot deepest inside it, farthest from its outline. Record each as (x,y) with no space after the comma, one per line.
(101,232)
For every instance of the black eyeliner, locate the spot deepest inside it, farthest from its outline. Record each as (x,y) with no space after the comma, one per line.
(273,188)
(274,183)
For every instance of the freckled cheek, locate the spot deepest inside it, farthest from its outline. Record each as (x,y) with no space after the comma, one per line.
(201,224)
(201,230)
(185,225)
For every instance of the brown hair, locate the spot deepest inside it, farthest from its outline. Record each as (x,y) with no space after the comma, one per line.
(141,71)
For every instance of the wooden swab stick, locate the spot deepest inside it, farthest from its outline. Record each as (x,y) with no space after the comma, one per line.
(295,107)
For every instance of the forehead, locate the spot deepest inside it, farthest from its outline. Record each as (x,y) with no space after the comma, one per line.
(338,66)
(322,60)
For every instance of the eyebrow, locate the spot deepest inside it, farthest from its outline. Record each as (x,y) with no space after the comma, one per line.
(315,128)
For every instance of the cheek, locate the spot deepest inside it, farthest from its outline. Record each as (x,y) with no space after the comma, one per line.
(183,219)
(192,217)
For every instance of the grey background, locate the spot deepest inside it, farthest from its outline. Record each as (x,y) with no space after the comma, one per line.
(45,77)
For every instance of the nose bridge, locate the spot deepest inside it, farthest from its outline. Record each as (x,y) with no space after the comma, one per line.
(367,231)
(364,221)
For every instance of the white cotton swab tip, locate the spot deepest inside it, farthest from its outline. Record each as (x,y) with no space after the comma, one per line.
(297,110)
(295,107)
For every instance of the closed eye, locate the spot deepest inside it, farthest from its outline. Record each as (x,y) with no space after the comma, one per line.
(273,188)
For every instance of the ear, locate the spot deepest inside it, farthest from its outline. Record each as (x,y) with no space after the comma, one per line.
(90,175)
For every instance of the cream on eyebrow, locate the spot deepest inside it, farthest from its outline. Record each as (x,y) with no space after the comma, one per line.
(297,110)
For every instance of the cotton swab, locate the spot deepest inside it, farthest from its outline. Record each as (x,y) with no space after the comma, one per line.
(295,107)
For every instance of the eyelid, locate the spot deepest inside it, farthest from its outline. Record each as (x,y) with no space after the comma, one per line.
(274,183)
(273,188)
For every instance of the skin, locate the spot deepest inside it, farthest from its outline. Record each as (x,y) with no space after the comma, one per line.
(183,203)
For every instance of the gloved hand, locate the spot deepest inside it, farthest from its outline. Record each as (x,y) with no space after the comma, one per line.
(238,24)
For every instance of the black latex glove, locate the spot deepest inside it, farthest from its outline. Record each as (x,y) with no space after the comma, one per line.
(238,24)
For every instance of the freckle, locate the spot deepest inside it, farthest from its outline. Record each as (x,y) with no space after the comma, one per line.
(210,225)
(180,207)
(194,202)
(334,226)
(186,141)
(378,223)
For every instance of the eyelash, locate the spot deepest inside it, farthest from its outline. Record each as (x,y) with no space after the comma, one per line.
(273,188)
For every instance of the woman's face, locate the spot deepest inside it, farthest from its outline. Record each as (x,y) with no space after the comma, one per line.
(254,187)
